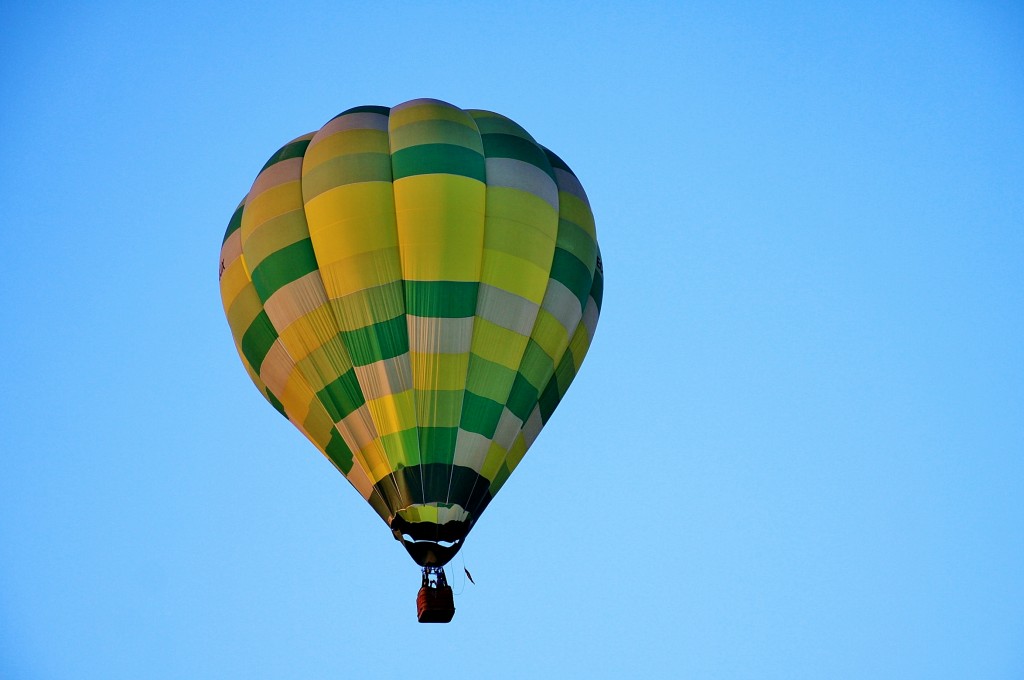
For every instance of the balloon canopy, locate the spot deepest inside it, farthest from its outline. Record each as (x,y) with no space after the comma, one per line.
(415,288)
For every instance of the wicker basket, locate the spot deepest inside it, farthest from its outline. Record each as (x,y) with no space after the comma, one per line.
(435,605)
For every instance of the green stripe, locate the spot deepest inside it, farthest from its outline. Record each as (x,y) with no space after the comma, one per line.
(275,402)
(282,267)
(235,223)
(446,299)
(290,150)
(511,146)
(438,407)
(535,371)
(382,110)
(338,451)
(556,388)
(436,483)
(573,274)
(536,366)
(426,159)
(522,398)
(597,289)
(557,162)
(548,401)
(257,340)
(480,414)
(576,240)
(490,123)
(437,444)
(401,449)
(500,477)
(379,341)
(342,396)
(488,378)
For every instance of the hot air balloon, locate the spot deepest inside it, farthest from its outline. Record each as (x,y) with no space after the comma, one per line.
(415,288)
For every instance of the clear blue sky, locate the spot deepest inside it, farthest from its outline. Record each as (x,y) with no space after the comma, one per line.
(803,411)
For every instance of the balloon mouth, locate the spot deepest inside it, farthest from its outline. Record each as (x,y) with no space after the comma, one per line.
(430,544)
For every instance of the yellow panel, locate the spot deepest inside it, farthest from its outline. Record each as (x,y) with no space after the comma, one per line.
(233,281)
(352,219)
(524,208)
(324,364)
(440,227)
(420,513)
(448,371)
(399,454)
(288,385)
(579,346)
(303,336)
(492,463)
(297,398)
(359,140)
(376,461)
(521,240)
(550,334)
(273,202)
(573,209)
(243,310)
(357,273)
(318,422)
(429,111)
(435,513)
(365,308)
(393,413)
(267,238)
(515,275)
(372,460)
(516,452)
(276,174)
(497,344)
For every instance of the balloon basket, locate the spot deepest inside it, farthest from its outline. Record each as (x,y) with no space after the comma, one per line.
(435,602)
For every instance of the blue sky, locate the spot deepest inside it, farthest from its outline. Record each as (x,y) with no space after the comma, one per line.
(802,416)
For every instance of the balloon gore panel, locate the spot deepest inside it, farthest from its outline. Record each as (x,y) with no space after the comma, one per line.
(415,288)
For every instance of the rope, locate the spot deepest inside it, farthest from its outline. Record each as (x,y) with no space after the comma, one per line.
(463,586)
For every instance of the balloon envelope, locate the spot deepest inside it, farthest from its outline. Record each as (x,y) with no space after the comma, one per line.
(415,288)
